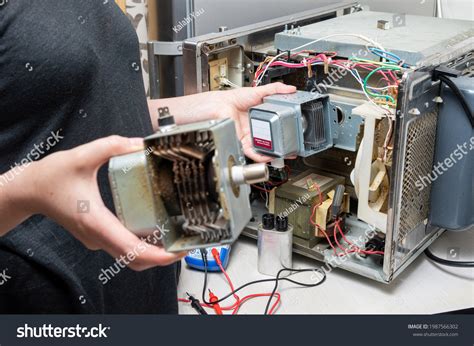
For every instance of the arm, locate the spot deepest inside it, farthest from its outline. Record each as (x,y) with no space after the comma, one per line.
(232,104)
(186,109)
(15,192)
(56,185)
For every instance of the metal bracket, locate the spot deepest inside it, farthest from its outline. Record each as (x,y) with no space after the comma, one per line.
(155,50)
(166,48)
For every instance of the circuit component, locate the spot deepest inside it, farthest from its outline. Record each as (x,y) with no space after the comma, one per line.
(295,124)
(296,199)
(218,72)
(190,155)
(275,245)
(190,184)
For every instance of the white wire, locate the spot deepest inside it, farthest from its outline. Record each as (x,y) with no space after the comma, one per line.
(382,89)
(358,78)
(226,81)
(267,200)
(387,140)
(362,37)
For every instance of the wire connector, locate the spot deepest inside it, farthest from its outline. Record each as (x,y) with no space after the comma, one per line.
(165,119)
(216,255)
(213,299)
(443,70)
(196,305)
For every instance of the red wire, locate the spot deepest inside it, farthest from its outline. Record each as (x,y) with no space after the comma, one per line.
(337,227)
(354,248)
(316,206)
(229,281)
(337,241)
(251,296)
(236,307)
(329,240)
(261,188)
(238,303)
(322,57)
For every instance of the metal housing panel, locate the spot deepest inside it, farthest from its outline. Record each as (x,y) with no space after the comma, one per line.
(432,35)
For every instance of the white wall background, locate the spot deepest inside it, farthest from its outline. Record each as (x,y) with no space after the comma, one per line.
(417,7)
(235,13)
(459,9)
(456,9)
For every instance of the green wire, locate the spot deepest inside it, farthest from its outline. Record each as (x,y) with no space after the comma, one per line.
(386,97)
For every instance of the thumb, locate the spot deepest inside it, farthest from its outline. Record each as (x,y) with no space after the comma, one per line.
(101,150)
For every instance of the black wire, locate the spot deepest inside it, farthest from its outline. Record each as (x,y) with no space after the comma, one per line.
(300,283)
(204,260)
(276,280)
(460,97)
(461,264)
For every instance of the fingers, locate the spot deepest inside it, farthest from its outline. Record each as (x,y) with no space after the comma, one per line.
(123,245)
(101,150)
(251,153)
(275,88)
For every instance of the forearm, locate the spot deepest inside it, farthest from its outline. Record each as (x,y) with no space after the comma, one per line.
(15,194)
(186,109)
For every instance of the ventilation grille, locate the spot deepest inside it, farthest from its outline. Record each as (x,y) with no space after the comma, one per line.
(420,146)
(315,133)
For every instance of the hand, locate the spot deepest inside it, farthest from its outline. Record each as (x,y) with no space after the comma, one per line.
(63,179)
(232,104)
(235,104)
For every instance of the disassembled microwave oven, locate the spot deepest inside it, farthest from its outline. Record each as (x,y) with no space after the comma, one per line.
(368,125)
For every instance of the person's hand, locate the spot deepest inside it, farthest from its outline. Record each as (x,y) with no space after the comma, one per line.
(66,181)
(232,104)
(235,104)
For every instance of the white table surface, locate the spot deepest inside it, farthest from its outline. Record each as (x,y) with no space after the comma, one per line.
(423,288)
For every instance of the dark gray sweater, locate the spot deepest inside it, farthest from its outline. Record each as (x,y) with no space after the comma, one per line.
(71,68)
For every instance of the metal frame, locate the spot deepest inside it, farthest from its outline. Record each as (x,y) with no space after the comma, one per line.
(250,38)
(176,78)
(156,51)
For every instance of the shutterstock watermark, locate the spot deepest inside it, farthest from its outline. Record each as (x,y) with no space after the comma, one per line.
(35,153)
(153,239)
(187,20)
(49,331)
(336,74)
(399,20)
(336,260)
(440,168)
(4,277)
(83,206)
(331,79)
